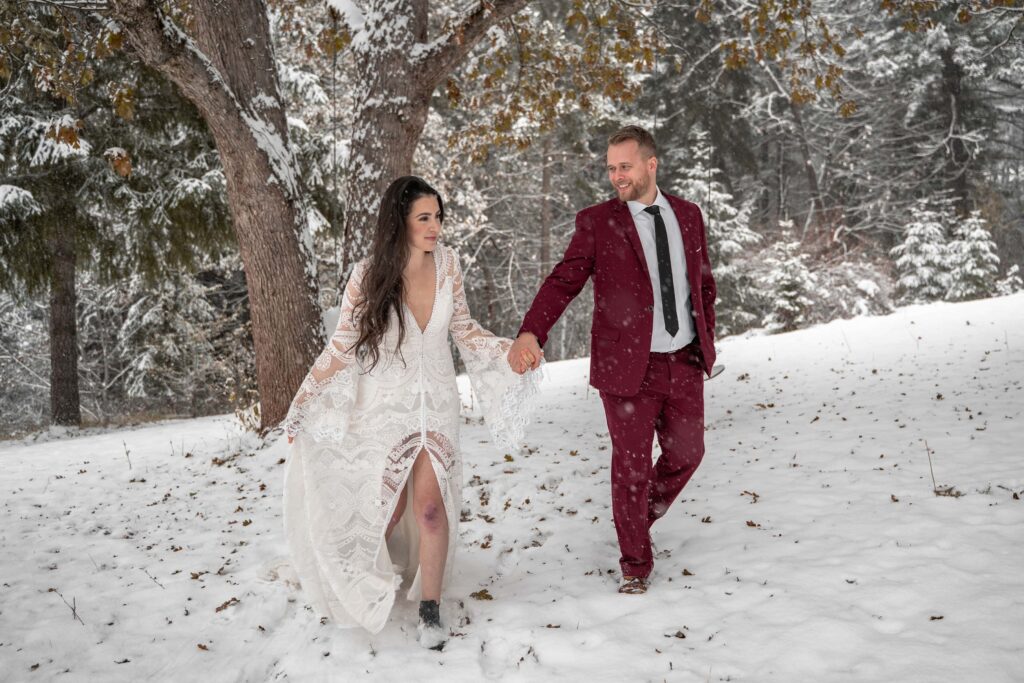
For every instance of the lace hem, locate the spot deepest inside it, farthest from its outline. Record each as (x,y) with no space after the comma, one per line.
(507,400)
(518,403)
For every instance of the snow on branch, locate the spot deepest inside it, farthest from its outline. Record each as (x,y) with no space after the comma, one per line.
(17,203)
(440,57)
(58,141)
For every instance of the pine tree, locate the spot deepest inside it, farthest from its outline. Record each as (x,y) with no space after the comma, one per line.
(974,266)
(787,285)
(148,196)
(922,259)
(220,57)
(1011,282)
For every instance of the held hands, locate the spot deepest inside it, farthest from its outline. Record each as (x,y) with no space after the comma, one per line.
(525,354)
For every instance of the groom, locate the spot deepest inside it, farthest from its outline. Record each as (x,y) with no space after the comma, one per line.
(651,341)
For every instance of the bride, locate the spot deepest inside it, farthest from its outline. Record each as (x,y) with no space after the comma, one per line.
(375,425)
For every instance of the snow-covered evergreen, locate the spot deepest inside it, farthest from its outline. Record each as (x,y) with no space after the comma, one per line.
(1011,282)
(973,263)
(787,285)
(922,259)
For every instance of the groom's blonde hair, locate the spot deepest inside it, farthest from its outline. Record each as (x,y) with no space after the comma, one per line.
(644,139)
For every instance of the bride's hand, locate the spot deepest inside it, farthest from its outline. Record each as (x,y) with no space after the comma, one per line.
(525,353)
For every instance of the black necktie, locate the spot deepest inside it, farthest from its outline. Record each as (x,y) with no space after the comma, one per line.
(668,290)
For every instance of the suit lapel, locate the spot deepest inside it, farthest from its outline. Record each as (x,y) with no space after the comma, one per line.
(625,221)
(691,243)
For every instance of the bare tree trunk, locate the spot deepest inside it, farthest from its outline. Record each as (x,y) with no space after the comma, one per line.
(765,195)
(488,287)
(227,70)
(814,209)
(958,157)
(781,210)
(546,220)
(64,398)
(545,210)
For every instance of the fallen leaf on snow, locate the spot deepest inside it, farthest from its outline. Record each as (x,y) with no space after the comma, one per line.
(227,603)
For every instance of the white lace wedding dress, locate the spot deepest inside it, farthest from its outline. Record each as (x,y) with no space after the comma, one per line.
(357,434)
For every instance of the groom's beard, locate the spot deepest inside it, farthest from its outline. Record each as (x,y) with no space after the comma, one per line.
(634,190)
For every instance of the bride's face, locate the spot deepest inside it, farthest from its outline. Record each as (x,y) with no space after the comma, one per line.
(423,224)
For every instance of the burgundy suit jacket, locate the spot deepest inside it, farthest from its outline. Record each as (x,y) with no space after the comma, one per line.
(606,246)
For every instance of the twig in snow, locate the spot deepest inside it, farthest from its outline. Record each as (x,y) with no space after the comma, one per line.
(945,491)
(935,487)
(71,606)
(154,580)
(126,452)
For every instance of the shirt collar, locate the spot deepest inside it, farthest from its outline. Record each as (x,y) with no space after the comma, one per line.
(635,208)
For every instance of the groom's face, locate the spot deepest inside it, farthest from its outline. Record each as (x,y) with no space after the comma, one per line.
(630,172)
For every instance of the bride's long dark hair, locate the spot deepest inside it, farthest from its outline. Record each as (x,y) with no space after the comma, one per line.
(382,284)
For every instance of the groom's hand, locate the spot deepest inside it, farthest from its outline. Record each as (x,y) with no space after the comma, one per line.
(525,347)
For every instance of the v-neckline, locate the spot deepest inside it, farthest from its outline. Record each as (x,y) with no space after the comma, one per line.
(433,302)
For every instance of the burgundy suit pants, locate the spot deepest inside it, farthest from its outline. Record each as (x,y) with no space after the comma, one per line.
(670,403)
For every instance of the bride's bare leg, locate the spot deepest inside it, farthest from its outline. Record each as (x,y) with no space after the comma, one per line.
(399,510)
(428,507)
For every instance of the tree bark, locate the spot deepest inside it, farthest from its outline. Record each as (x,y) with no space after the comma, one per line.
(227,70)
(397,76)
(385,134)
(64,398)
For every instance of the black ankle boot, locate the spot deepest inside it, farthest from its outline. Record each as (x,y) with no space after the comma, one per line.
(431,633)
(430,612)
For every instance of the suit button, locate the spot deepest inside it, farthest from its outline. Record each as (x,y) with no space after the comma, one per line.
(650,309)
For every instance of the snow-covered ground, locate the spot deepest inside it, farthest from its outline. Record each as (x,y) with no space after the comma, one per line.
(810,545)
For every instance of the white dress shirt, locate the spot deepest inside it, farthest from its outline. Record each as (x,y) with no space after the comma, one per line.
(661,340)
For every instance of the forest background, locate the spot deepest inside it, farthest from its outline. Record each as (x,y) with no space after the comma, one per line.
(186,185)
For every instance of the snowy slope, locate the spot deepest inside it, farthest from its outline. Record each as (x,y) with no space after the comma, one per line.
(809,546)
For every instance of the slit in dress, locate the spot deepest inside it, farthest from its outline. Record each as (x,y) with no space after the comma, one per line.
(398,469)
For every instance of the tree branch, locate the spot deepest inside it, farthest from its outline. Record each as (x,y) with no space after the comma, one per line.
(164,47)
(82,5)
(442,56)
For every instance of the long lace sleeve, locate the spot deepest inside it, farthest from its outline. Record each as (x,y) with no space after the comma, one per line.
(507,399)
(324,400)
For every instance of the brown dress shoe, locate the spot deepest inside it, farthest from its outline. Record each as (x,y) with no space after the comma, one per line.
(633,585)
